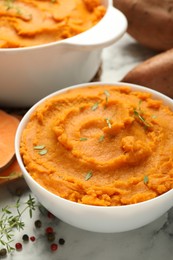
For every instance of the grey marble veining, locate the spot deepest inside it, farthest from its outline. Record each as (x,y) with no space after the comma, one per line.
(152,242)
(121,57)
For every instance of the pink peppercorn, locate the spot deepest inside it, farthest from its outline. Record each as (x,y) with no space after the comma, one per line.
(32,238)
(18,246)
(49,230)
(54,247)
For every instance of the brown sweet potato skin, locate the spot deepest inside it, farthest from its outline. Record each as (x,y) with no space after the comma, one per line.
(156,73)
(150,22)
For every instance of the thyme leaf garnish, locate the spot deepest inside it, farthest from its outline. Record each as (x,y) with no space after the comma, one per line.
(39,147)
(141,118)
(154,116)
(139,114)
(18,10)
(108,122)
(136,113)
(83,139)
(146,179)
(88,175)
(101,138)
(95,106)
(8,4)
(43,152)
(106,92)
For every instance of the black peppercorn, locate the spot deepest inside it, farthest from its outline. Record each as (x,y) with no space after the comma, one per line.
(19,192)
(51,237)
(25,238)
(3,252)
(61,241)
(38,224)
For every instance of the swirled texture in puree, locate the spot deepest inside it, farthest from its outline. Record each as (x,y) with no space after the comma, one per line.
(32,22)
(103,146)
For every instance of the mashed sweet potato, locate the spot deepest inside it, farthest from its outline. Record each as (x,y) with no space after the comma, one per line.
(101,146)
(32,22)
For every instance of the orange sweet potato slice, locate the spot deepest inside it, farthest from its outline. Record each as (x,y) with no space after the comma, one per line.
(8,127)
(10,173)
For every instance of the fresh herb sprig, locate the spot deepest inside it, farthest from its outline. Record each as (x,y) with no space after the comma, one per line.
(9,222)
(9,4)
(140,117)
(138,113)
(11,176)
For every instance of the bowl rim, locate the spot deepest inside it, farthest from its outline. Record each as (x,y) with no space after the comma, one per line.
(135,87)
(65,42)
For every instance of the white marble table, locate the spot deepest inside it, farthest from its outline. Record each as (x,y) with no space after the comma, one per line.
(152,242)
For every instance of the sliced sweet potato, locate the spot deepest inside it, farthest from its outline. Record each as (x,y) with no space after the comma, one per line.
(156,73)
(10,173)
(8,127)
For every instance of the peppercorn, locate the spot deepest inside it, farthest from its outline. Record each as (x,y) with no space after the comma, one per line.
(54,247)
(38,223)
(61,241)
(25,237)
(32,238)
(19,192)
(49,230)
(3,252)
(51,237)
(18,246)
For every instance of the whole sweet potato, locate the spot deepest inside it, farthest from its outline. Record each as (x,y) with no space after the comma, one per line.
(150,22)
(156,73)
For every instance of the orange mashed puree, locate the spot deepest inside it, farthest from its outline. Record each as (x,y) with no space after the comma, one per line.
(101,146)
(32,22)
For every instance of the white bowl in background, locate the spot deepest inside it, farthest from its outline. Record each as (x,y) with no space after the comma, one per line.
(30,73)
(97,218)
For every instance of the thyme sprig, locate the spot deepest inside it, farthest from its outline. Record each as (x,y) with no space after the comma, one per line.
(107,94)
(139,114)
(8,4)
(11,176)
(10,221)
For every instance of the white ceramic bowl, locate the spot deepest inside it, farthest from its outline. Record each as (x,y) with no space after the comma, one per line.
(29,74)
(97,218)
